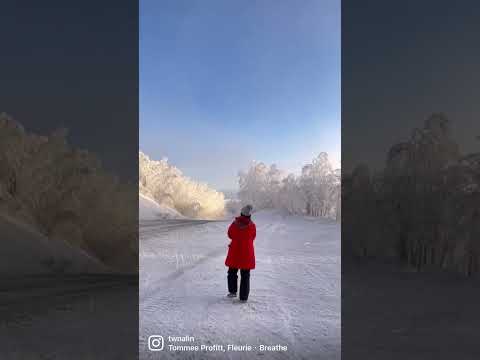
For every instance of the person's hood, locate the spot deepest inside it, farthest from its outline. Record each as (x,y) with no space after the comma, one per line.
(242,221)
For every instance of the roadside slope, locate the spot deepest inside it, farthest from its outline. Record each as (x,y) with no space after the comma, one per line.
(23,251)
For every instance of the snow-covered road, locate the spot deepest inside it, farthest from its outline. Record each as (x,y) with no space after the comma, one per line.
(294,292)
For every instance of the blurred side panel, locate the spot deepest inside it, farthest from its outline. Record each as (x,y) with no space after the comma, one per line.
(69,180)
(411,180)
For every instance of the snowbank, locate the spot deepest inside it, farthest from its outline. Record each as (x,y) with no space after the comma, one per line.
(25,251)
(149,209)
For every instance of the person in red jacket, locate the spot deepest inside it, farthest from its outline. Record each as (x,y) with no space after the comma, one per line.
(241,253)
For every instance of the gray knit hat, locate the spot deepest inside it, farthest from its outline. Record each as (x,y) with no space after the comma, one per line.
(246,210)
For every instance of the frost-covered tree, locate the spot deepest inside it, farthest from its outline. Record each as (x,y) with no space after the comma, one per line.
(254,186)
(423,208)
(66,195)
(319,182)
(316,192)
(291,197)
(168,186)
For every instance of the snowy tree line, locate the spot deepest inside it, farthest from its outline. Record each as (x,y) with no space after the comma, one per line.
(422,208)
(315,192)
(65,194)
(168,186)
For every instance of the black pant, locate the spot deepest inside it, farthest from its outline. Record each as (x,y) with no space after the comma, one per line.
(244,282)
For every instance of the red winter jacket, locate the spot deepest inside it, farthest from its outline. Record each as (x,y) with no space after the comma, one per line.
(241,253)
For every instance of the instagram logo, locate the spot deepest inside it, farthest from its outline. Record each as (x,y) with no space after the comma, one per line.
(155,343)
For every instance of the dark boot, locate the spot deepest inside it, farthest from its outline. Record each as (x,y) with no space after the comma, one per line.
(244,284)
(232,280)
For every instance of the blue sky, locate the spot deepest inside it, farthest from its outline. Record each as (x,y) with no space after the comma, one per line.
(223,83)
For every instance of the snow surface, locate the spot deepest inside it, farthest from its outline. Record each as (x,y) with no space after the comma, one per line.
(25,251)
(74,317)
(149,209)
(59,303)
(294,291)
(395,313)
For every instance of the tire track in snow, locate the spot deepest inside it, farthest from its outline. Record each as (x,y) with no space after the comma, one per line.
(181,268)
(184,269)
